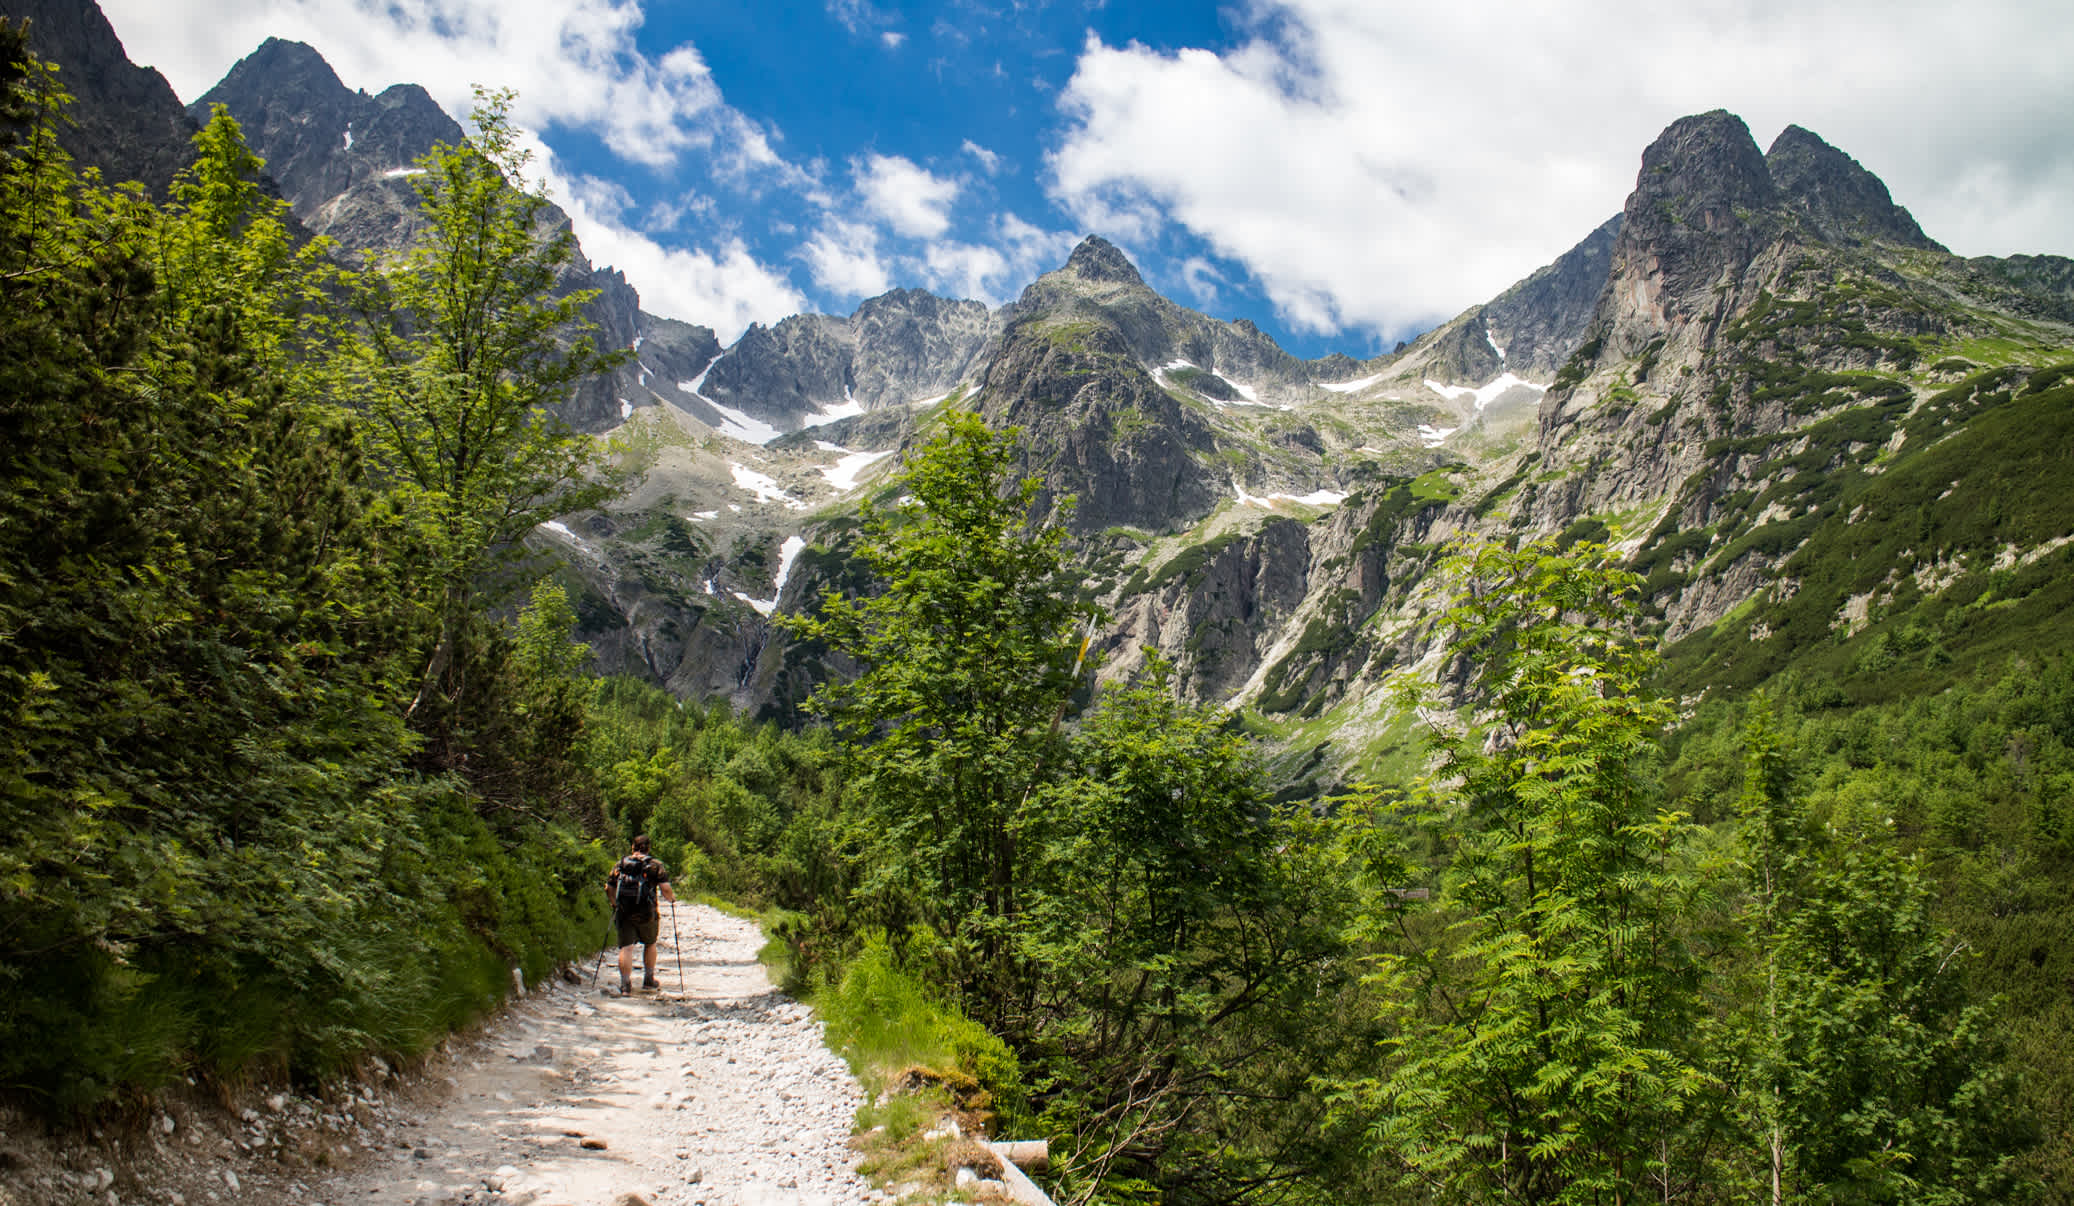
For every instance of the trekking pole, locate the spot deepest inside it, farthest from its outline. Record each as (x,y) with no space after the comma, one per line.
(679,944)
(601,964)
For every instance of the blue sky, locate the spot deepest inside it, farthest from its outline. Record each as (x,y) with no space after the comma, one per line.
(1343,172)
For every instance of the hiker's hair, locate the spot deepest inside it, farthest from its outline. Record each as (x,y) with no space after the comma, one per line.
(641,843)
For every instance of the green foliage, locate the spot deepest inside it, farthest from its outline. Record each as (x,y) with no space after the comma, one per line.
(215,855)
(1541,1001)
(1931,840)
(968,659)
(888,1024)
(1177,936)
(462,346)
(1872,1078)
(1966,486)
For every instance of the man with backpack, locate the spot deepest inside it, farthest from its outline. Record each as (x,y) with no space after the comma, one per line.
(634,885)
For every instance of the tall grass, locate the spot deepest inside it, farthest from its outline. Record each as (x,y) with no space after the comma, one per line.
(891,1028)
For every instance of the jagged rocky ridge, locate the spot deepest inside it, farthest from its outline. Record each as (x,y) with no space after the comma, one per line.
(1741,381)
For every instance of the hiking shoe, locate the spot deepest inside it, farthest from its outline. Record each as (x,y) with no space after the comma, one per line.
(626,987)
(649,982)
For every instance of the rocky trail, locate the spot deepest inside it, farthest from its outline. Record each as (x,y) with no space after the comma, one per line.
(721,1092)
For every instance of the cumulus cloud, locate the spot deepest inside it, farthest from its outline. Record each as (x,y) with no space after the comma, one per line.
(844,259)
(1383,168)
(905,196)
(573,63)
(724,287)
(1012,253)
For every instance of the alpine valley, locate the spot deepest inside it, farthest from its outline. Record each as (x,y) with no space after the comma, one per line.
(1836,455)
(1815,431)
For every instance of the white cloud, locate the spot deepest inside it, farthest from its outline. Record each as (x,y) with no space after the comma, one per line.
(892,40)
(574,63)
(905,195)
(992,271)
(1383,167)
(988,160)
(1202,279)
(725,289)
(844,258)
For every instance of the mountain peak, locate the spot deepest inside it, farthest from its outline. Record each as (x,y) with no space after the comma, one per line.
(1701,171)
(1835,195)
(283,65)
(1097,259)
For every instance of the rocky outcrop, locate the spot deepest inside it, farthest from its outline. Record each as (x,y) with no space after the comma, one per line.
(1839,201)
(345,160)
(1097,427)
(911,344)
(123,119)
(785,372)
(1100,284)
(1215,612)
(323,142)
(1462,353)
(1701,210)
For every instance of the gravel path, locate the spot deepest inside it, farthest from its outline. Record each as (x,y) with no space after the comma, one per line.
(722,1092)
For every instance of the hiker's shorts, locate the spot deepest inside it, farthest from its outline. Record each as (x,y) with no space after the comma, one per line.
(644,930)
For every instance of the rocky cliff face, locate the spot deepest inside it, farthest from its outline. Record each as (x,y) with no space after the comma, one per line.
(1097,427)
(341,157)
(1769,327)
(896,349)
(1541,320)
(1101,284)
(912,344)
(124,119)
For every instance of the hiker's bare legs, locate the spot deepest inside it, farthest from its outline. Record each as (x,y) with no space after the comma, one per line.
(648,954)
(626,962)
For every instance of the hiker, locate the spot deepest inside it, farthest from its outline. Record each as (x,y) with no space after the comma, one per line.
(634,885)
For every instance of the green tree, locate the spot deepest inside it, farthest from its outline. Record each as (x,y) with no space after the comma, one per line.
(1541,1002)
(1182,957)
(1875,1079)
(967,659)
(464,348)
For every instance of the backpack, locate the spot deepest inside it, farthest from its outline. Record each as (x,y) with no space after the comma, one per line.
(633,886)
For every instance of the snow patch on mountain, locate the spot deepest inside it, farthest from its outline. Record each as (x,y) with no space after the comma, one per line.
(850,407)
(1484,394)
(1316,498)
(1350,387)
(843,474)
(763,486)
(787,554)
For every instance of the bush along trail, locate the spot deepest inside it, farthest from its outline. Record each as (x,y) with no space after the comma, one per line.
(721,1091)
